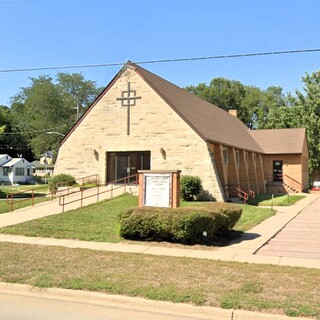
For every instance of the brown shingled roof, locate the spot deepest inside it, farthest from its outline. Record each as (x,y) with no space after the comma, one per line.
(209,121)
(280,141)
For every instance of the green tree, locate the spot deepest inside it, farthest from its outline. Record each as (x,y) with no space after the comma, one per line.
(77,92)
(11,142)
(305,112)
(49,105)
(256,108)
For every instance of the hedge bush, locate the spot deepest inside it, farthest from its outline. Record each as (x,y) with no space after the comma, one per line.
(182,225)
(60,180)
(190,187)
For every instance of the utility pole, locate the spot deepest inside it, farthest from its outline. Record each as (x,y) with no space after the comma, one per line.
(78,110)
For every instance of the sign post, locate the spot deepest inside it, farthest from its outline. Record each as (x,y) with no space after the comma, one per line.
(159,188)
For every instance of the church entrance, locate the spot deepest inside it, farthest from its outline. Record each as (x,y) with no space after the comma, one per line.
(277,171)
(124,164)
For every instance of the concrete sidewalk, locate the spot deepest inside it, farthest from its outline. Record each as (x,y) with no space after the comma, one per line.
(241,250)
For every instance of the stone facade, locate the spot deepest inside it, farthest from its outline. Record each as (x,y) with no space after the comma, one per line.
(177,131)
(154,127)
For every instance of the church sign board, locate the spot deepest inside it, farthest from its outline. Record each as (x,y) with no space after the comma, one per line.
(159,188)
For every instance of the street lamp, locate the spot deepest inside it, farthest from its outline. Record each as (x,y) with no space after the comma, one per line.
(55,132)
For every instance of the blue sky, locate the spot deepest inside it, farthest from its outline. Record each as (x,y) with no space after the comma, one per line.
(44,33)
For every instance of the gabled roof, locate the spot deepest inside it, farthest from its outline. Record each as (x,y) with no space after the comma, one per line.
(212,123)
(280,141)
(209,121)
(14,161)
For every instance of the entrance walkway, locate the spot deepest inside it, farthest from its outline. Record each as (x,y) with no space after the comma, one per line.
(242,250)
(300,238)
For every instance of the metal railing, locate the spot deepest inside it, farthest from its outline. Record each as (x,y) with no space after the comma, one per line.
(239,192)
(52,192)
(252,194)
(292,183)
(114,185)
(243,195)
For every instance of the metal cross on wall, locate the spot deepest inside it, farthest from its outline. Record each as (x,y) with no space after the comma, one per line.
(128,99)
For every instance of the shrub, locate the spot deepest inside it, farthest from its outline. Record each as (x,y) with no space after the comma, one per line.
(183,225)
(60,180)
(190,186)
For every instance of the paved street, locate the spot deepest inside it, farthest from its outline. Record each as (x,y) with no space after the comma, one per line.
(21,302)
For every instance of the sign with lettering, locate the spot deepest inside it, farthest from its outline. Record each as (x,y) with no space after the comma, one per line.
(157,190)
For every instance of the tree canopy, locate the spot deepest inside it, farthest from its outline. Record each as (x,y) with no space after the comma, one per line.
(254,106)
(50,105)
(271,108)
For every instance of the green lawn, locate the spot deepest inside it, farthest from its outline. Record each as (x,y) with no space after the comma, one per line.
(278,200)
(39,193)
(252,216)
(230,285)
(99,221)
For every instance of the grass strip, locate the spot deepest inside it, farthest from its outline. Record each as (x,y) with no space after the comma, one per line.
(266,288)
(277,200)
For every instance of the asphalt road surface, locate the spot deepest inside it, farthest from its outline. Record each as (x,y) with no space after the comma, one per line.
(45,305)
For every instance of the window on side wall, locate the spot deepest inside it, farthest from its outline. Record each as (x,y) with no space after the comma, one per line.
(246,159)
(225,156)
(237,158)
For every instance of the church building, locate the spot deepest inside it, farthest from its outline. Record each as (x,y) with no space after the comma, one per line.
(141,121)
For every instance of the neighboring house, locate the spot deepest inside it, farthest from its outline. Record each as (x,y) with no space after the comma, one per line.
(41,168)
(15,170)
(141,121)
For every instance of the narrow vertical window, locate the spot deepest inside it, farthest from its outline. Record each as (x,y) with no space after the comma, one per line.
(237,158)
(225,156)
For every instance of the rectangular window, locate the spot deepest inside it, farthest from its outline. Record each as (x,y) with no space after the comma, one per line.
(6,171)
(246,159)
(225,156)
(237,158)
(19,171)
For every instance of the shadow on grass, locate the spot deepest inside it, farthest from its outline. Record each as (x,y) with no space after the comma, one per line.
(234,237)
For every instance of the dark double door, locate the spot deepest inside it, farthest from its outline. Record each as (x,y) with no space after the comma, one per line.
(124,164)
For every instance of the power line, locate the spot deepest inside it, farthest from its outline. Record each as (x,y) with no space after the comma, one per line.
(33,131)
(16,1)
(243,55)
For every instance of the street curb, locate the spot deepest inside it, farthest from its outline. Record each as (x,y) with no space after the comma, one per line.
(140,304)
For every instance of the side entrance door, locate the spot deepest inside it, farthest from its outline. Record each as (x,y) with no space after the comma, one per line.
(277,170)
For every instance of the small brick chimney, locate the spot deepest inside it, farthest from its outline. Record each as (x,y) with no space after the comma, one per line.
(234,112)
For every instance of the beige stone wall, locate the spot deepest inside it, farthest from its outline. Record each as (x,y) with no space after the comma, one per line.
(153,125)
